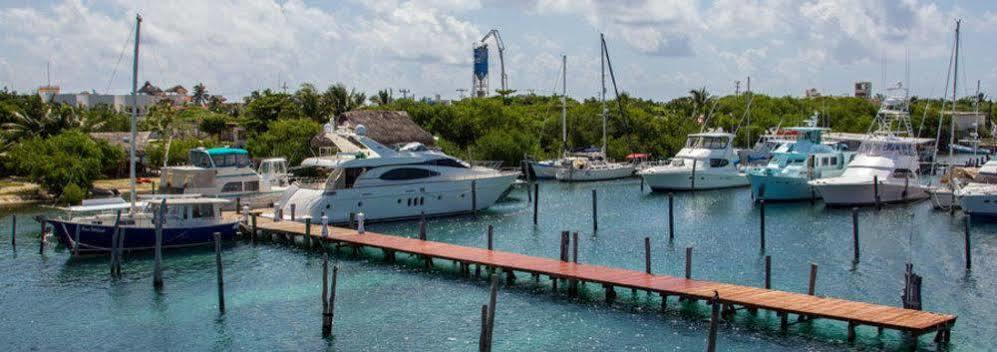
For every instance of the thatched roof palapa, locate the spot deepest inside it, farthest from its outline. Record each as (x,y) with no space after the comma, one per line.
(387,127)
(120,139)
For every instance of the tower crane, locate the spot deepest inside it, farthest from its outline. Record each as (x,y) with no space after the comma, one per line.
(494,34)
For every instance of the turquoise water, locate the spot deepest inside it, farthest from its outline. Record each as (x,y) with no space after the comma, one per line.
(53,302)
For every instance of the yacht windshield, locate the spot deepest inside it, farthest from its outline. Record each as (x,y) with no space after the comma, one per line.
(887,148)
(229,160)
(707,142)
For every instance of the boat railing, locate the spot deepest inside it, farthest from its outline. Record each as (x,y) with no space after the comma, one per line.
(491,164)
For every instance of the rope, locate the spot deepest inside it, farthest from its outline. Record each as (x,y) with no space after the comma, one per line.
(114,72)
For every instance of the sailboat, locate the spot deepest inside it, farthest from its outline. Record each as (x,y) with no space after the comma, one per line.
(596,167)
(884,170)
(183,220)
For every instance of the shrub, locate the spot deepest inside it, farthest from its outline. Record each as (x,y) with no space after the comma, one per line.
(287,138)
(73,194)
(70,157)
(179,150)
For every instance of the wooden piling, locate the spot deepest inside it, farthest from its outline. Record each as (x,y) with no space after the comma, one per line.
(218,266)
(641,185)
(968,248)
(326,315)
(332,300)
(768,272)
(422,228)
(76,240)
(671,216)
(761,222)
(692,180)
(252,234)
(564,246)
(350,220)
(536,201)
(855,233)
(308,232)
(238,203)
(875,191)
(688,262)
(13,231)
(490,237)
(595,212)
(492,297)
(813,279)
(574,247)
(41,241)
(474,197)
(157,269)
(482,337)
(711,340)
(647,255)
(114,241)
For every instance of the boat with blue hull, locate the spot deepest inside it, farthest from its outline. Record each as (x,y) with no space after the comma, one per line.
(188,221)
(793,165)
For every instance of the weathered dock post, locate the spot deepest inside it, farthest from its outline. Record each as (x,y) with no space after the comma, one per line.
(41,241)
(813,279)
(252,234)
(114,242)
(76,241)
(855,233)
(952,204)
(647,255)
(218,266)
(692,179)
(492,298)
(474,197)
(671,216)
(912,288)
(574,247)
(491,232)
(688,262)
(761,222)
(969,257)
(238,202)
(595,212)
(293,208)
(422,227)
(641,185)
(711,340)
(483,336)
(875,191)
(308,232)
(536,201)
(564,246)
(768,272)
(350,219)
(13,231)
(157,269)
(327,320)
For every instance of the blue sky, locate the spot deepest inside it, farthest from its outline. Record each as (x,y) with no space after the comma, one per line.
(660,49)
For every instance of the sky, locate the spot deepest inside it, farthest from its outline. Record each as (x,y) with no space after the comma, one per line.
(660,49)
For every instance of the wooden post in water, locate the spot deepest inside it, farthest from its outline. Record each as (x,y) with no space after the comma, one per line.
(875,190)
(692,184)
(855,233)
(490,237)
(491,308)
(768,272)
(641,185)
(252,234)
(41,242)
(688,262)
(969,257)
(114,240)
(293,208)
(332,299)
(761,222)
(671,216)
(536,201)
(350,220)
(711,340)
(326,315)
(238,203)
(813,279)
(13,231)
(218,266)
(483,336)
(157,269)
(647,255)
(76,241)
(422,228)
(564,246)
(574,249)
(308,232)
(595,212)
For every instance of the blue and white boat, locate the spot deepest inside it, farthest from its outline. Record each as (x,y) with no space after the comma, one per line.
(188,221)
(794,164)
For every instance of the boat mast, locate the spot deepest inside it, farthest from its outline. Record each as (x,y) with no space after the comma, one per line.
(564,106)
(955,82)
(602,91)
(131,149)
(976,123)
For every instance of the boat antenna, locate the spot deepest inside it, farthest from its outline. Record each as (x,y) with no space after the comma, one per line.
(131,149)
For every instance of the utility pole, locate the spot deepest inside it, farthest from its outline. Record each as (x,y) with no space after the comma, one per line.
(461,92)
(737,88)
(404,92)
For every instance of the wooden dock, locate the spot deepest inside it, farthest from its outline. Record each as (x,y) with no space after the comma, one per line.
(733,297)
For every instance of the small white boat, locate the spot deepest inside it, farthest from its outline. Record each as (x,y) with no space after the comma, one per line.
(227,173)
(594,170)
(884,170)
(708,161)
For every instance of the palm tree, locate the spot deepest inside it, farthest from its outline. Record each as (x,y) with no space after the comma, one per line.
(700,97)
(200,95)
(383,97)
(337,99)
(50,121)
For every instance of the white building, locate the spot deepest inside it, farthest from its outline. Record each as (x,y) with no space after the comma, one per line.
(121,103)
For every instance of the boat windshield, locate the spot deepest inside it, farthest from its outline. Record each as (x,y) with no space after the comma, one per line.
(230,160)
(707,142)
(887,148)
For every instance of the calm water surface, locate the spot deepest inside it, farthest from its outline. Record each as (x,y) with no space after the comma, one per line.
(53,302)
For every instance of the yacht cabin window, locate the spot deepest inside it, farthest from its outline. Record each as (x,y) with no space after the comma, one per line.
(707,142)
(200,211)
(407,173)
(252,186)
(902,173)
(230,160)
(232,187)
(718,162)
(200,159)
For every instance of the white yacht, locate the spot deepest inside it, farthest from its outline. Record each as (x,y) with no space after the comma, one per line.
(979,196)
(598,167)
(886,157)
(386,184)
(708,161)
(227,173)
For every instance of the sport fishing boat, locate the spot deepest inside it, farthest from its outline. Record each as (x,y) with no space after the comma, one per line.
(387,184)
(227,173)
(885,168)
(708,161)
(794,164)
(980,197)
(598,167)
(187,220)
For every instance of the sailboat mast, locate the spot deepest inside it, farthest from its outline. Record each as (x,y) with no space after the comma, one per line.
(131,149)
(955,82)
(602,92)
(564,105)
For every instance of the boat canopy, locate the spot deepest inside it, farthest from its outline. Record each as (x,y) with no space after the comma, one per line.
(219,157)
(223,151)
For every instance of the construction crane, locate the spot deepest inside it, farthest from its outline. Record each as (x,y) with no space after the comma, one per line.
(494,33)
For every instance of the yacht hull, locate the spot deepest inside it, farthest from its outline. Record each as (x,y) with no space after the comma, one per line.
(581,175)
(943,198)
(841,194)
(979,205)
(543,171)
(778,188)
(97,237)
(682,180)
(397,202)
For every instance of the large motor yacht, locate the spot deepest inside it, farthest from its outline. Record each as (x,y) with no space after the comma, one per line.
(708,161)
(385,184)
(795,163)
(884,170)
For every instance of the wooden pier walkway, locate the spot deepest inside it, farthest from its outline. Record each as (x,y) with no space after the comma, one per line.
(782,303)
